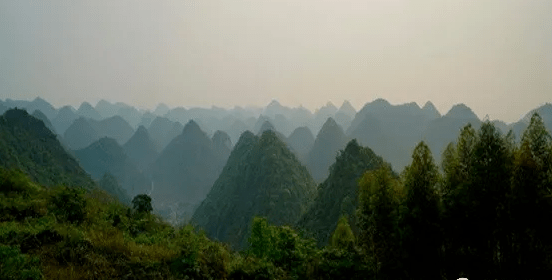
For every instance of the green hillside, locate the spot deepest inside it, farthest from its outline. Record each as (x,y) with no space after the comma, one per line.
(261,178)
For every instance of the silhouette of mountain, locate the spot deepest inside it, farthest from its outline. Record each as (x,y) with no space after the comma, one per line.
(236,129)
(338,194)
(261,178)
(86,110)
(64,118)
(39,115)
(328,142)
(130,114)
(162,131)
(141,149)
(115,127)
(161,109)
(186,169)
(27,144)
(111,185)
(80,134)
(106,155)
(106,109)
(222,144)
(300,142)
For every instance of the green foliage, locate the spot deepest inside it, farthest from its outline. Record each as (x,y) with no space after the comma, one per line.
(142,203)
(338,194)
(14,265)
(377,220)
(68,204)
(420,218)
(343,236)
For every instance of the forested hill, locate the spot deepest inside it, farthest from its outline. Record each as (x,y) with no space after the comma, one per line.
(261,178)
(338,194)
(27,144)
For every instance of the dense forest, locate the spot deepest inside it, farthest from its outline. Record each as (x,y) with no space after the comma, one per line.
(482,213)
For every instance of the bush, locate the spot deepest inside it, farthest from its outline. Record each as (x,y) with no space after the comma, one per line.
(14,265)
(69,204)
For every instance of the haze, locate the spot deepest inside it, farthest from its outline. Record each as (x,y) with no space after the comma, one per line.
(495,56)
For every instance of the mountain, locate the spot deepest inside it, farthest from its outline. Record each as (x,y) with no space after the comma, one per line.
(86,110)
(328,142)
(162,131)
(39,115)
(64,118)
(106,109)
(338,194)
(115,127)
(27,144)
(3,107)
(222,144)
(301,141)
(267,125)
(130,114)
(392,131)
(236,129)
(109,183)
(344,116)
(261,178)
(440,132)
(80,134)
(186,169)
(106,155)
(161,109)
(141,149)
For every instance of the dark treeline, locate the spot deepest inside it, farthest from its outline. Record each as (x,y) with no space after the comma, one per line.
(485,216)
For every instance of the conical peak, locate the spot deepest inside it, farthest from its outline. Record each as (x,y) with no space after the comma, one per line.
(65,110)
(274,103)
(429,106)
(330,124)
(141,130)
(85,106)
(246,138)
(220,136)
(461,111)
(191,128)
(266,126)
(347,106)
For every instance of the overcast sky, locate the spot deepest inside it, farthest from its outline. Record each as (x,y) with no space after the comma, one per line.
(493,55)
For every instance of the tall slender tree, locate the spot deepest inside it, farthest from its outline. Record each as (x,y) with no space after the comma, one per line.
(420,220)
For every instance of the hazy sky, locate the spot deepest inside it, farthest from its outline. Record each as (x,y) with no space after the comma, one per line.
(493,55)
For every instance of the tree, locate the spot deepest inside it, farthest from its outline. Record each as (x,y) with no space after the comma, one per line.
(69,204)
(142,203)
(531,208)
(420,220)
(377,217)
(343,236)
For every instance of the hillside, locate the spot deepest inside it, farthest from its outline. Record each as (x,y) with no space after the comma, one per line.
(261,178)
(141,149)
(107,156)
(338,194)
(328,142)
(27,144)
(185,170)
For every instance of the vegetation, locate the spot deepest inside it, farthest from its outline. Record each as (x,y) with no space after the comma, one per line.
(483,214)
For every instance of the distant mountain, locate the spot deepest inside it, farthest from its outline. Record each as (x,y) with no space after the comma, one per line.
(440,132)
(222,144)
(31,106)
(27,144)
(186,169)
(109,183)
(338,194)
(321,115)
(328,142)
(106,109)
(115,127)
(161,109)
(3,107)
(344,116)
(301,141)
(64,118)
(545,111)
(106,155)
(130,114)
(162,131)
(141,149)
(80,134)
(392,131)
(86,110)
(261,178)
(39,115)
(236,129)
